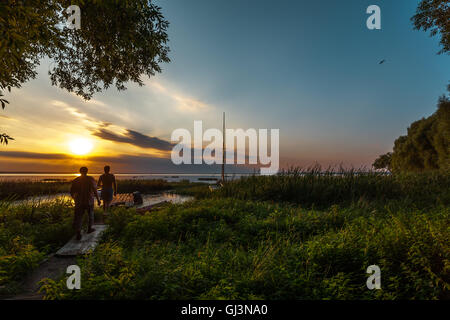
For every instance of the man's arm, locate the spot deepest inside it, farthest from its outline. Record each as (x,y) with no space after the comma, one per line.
(115,185)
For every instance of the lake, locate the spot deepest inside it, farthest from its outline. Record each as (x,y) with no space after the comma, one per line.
(148,199)
(206,178)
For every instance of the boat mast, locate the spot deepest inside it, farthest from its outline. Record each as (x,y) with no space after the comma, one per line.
(223,149)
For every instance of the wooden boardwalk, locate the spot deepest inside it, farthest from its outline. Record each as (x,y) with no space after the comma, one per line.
(55,265)
(125,199)
(87,243)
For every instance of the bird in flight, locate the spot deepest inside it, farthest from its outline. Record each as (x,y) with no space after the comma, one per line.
(382,61)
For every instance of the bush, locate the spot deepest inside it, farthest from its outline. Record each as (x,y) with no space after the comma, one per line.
(235,249)
(29,232)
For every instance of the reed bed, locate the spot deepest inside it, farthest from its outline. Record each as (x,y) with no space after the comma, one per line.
(298,235)
(323,188)
(240,249)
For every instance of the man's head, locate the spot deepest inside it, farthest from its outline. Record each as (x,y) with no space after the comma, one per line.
(83,171)
(107,169)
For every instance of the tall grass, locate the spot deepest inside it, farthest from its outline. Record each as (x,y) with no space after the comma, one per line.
(20,189)
(298,235)
(236,249)
(314,187)
(29,232)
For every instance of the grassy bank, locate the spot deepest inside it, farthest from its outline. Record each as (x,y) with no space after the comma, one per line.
(313,188)
(27,234)
(294,236)
(236,249)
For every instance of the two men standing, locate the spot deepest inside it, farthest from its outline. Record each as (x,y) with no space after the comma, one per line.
(84,190)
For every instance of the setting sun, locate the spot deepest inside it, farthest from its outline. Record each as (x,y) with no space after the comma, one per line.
(80,146)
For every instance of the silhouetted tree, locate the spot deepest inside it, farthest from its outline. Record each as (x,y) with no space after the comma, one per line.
(426,145)
(383,161)
(119,41)
(434,15)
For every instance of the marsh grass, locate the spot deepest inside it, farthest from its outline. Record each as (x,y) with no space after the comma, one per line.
(298,235)
(21,189)
(238,249)
(29,231)
(315,187)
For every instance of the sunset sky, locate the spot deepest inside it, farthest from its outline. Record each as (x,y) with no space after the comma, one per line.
(308,68)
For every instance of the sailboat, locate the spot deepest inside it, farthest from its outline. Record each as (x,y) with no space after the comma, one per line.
(221,182)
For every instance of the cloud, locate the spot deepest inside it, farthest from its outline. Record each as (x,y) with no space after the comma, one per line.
(73,111)
(122,163)
(135,138)
(182,102)
(34,155)
(146,164)
(191,105)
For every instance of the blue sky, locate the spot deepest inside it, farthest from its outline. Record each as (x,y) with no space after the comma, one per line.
(308,68)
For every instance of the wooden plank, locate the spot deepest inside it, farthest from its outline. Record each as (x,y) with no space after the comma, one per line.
(152,207)
(123,199)
(88,242)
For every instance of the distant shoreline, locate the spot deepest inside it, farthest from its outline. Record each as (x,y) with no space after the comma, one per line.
(121,173)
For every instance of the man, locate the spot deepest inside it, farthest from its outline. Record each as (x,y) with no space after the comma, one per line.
(109,187)
(83,191)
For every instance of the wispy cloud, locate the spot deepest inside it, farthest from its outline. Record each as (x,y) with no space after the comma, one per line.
(73,111)
(121,163)
(133,137)
(34,155)
(182,102)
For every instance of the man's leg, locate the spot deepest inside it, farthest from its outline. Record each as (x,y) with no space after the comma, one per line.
(107,199)
(78,220)
(104,200)
(90,210)
(108,204)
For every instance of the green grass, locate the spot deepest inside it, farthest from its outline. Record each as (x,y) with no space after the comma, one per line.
(236,249)
(22,189)
(313,188)
(28,233)
(293,236)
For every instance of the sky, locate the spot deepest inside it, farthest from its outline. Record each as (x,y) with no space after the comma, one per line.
(308,68)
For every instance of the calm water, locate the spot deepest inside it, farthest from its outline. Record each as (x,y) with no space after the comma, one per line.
(148,199)
(206,178)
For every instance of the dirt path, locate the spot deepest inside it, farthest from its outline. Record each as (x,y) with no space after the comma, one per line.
(53,268)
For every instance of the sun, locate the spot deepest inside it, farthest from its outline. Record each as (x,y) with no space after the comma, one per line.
(80,146)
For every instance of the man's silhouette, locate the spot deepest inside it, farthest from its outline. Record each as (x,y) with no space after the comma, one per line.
(109,187)
(83,191)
